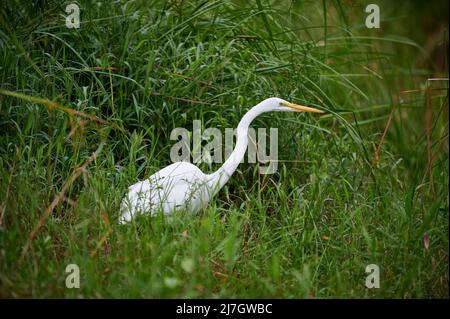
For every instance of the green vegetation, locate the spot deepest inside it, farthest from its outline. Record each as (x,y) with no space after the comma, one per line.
(366,183)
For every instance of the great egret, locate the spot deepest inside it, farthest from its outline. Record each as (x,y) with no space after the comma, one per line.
(183,186)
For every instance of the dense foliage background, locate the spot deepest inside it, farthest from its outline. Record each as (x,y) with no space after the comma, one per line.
(366,183)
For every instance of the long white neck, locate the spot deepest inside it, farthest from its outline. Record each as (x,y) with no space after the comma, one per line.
(219,178)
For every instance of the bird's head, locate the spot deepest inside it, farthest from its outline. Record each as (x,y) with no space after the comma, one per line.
(277,104)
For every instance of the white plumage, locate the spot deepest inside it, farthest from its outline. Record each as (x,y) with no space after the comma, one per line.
(183,186)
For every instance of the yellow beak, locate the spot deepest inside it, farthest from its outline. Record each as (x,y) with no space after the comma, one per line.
(301,108)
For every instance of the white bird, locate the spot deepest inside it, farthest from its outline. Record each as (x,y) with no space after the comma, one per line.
(183,186)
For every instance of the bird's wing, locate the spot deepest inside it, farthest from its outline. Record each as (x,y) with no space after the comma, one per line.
(174,187)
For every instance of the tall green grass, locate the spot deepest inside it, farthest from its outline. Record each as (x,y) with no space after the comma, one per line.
(352,188)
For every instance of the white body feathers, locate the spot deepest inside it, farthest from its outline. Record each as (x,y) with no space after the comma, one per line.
(179,186)
(183,186)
